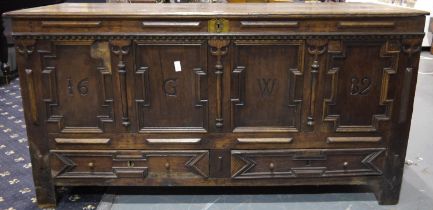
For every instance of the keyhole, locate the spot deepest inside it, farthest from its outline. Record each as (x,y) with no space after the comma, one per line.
(130,164)
(308,163)
(218,26)
(167,166)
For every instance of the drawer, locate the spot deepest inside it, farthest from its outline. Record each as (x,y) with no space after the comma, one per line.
(259,164)
(146,164)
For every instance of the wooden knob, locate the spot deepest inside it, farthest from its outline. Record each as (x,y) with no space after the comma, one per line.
(167,165)
(271,166)
(345,164)
(91,164)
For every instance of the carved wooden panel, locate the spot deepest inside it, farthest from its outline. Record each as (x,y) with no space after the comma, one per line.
(77,90)
(259,164)
(316,49)
(266,86)
(26,49)
(411,48)
(121,49)
(357,84)
(171,86)
(219,49)
(135,164)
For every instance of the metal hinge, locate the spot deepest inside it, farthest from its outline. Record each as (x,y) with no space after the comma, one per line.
(218,25)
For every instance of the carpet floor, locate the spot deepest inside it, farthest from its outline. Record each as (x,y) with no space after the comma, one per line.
(16,182)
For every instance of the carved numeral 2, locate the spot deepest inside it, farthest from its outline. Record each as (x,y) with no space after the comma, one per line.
(360,86)
(82,87)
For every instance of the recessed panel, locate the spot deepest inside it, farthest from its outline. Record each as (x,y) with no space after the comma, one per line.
(266,86)
(358,86)
(171,87)
(77,90)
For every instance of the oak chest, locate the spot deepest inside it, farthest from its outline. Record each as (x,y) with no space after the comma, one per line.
(218,94)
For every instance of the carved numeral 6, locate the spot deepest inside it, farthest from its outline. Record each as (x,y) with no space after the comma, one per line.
(360,86)
(82,87)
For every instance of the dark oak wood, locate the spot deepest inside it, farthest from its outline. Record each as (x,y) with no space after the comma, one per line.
(218,94)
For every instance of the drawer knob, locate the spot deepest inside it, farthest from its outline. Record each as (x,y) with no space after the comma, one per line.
(167,165)
(345,164)
(271,166)
(91,164)
(131,164)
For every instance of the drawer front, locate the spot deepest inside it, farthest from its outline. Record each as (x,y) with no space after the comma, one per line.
(260,164)
(111,164)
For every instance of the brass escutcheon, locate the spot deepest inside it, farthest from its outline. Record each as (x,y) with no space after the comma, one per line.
(218,25)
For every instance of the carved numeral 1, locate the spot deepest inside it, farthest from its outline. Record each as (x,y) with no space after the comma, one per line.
(82,87)
(70,87)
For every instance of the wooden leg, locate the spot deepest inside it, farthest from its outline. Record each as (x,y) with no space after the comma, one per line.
(3,48)
(44,187)
(387,189)
(386,193)
(46,198)
(6,73)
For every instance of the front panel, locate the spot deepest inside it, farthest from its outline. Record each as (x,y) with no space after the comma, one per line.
(358,97)
(77,88)
(266,86)
(170,91)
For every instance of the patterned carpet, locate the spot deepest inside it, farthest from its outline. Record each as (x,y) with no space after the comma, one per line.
(16,183)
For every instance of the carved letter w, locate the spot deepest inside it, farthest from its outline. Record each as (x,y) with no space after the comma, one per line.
(266,86)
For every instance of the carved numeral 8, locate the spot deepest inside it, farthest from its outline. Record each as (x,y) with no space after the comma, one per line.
(360,86)
(82,87)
